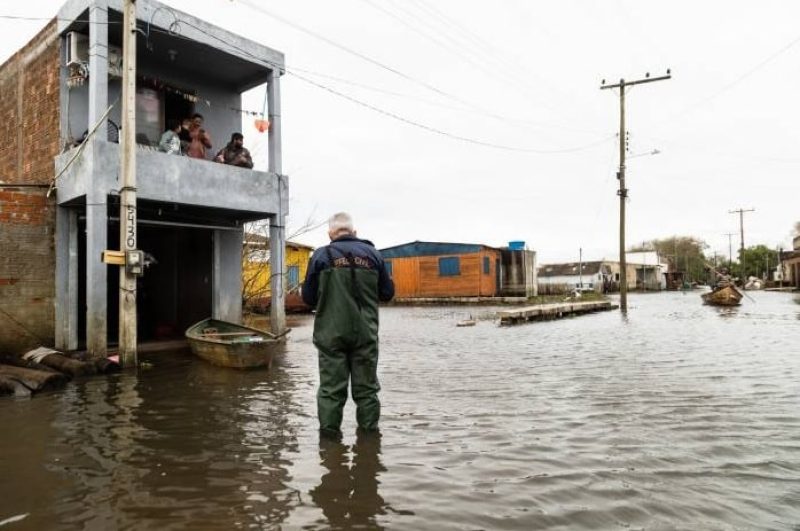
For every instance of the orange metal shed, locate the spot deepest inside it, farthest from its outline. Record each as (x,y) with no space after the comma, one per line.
(436,269)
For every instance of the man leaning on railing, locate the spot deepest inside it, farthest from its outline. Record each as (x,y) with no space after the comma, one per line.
(235,153)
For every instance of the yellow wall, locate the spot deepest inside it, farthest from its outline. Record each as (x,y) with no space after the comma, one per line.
(256,275)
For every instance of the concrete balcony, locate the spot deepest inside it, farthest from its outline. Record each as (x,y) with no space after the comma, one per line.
(244,194)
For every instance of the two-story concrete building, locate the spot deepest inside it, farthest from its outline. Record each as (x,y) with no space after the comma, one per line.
(59,203)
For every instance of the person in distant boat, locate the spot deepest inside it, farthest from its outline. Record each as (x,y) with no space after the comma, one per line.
(200,139)
(724,278)
(345,281)
(235,153)
(170,142)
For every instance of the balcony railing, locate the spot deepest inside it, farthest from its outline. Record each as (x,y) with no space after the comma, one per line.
(172,179)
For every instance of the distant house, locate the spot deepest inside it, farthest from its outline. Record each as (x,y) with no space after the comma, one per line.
(791,265)
(558,278)
(256,270)
(437,269)
(650,270)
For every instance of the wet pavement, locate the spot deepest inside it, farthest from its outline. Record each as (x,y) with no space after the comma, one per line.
(678,416)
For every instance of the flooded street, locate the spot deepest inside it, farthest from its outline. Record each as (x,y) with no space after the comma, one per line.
(680,416)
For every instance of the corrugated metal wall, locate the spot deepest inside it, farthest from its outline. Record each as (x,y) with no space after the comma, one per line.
(418,276)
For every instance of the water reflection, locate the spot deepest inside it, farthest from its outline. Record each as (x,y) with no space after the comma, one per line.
(348,492)
(727,312)
(685,416)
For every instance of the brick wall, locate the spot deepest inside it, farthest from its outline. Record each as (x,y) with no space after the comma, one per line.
(29,141)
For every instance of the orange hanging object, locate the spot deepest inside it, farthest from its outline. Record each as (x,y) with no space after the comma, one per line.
(262,124)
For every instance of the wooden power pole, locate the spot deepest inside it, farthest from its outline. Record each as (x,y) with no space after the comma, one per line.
(127,216)
(730,236)
(741,212)
(623,192)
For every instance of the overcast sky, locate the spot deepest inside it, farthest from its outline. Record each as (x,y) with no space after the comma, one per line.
(526,75)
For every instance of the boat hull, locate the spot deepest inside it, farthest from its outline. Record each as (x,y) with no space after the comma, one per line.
(230,345)
(725,296)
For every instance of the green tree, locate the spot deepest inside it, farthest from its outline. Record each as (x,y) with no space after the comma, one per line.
(758,259)
(684,254)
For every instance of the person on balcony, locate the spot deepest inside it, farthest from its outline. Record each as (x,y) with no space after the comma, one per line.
(200,139)
(235,153)
(185,136)
(170,142)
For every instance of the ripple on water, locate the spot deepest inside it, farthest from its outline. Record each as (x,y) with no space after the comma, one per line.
(680,416)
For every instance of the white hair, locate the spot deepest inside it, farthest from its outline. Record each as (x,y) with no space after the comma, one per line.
(340,223)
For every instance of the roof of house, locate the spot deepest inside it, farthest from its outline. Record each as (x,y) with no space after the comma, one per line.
(570,269)
(418,248)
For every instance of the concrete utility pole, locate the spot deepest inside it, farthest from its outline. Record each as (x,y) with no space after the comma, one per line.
(623,192)
(580,267)
(127,214)
(741,212)
(277,223)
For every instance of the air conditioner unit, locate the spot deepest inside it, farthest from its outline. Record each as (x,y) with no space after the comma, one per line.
(77,48)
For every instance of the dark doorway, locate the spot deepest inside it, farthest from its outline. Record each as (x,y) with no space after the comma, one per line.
(174,292)
(176,107)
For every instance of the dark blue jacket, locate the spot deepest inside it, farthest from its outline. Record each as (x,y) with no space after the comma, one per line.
(366,255)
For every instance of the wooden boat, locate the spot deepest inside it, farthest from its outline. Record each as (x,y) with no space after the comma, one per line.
(231,345)
(724,296)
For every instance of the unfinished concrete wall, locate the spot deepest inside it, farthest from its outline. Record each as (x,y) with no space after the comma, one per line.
(29,140)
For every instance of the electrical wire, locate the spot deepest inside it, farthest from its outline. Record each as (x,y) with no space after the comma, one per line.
(725,88)
(469,107)
(174,31)
(439,38)
(451,135)
(397,116)
(48,19)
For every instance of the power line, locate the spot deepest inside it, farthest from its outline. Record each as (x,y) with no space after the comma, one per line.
(347,49)
(495,56)
(738,80)
(451,135)
(48,19)
(499,117)
(401,118)
(360,55)
(417,24)
(384,112)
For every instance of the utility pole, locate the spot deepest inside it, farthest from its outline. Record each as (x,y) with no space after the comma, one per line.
(730,248)
(741,212)
(623,192)
(127,214)
(580,267)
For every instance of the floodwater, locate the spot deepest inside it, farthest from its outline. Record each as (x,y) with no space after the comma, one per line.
(680,416)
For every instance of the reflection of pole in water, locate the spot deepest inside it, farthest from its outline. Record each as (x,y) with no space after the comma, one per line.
(348,492)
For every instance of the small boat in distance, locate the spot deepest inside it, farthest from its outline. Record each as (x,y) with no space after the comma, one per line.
(723,296)
(231,345)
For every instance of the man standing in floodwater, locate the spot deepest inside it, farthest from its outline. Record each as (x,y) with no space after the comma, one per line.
(345,280)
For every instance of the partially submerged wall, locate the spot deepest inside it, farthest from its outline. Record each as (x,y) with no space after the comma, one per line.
(29,141)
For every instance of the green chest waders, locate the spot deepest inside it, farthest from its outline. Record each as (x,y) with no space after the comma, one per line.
(346,334)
